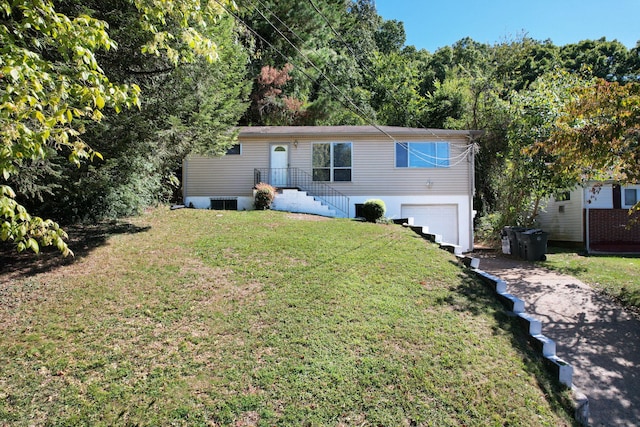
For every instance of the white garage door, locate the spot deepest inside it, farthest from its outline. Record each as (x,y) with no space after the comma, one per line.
(441,219)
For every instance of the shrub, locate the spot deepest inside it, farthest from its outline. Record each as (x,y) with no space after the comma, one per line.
(265,194)
(373,210)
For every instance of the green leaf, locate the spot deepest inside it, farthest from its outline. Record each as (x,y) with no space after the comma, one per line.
(31,243)
(99,102)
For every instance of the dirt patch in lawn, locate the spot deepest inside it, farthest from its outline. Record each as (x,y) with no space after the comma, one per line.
(307,217)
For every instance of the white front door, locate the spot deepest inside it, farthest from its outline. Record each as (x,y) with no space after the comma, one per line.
(279,165)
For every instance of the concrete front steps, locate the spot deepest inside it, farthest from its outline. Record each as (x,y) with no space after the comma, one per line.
(294,200)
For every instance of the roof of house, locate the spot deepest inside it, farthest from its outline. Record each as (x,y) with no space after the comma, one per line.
(387,131)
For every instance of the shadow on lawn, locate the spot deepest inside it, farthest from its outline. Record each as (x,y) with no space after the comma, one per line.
(83,239)
(478,299)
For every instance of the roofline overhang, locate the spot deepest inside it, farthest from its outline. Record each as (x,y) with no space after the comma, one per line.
(382,131)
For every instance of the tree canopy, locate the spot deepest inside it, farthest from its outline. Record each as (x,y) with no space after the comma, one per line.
(598,134)
(53,86)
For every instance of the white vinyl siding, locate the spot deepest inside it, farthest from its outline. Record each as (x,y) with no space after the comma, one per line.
(231,175)
(373,170)
(563,219)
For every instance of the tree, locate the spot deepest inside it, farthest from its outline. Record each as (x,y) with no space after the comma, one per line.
(395,87)
(633,64)
(597,136)
(358,29)
(390,36)
(269,105)
(186,107)
(605,59)
(53,86)
(325,42)
(518,63)
(529,174)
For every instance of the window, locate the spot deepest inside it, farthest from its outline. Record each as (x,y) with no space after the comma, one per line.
(234,149)
(224,204)
(422,154)
(563,197)
(332,161)
(630,197)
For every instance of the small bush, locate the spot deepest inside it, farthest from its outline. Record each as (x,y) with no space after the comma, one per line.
(265,194)
(373,210)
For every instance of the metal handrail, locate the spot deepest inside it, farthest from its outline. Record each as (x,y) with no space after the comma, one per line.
(298,178)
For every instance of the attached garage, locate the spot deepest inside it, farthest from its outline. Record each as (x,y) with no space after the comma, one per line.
(441,219)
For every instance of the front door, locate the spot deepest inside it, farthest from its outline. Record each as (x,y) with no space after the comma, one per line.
(279,165)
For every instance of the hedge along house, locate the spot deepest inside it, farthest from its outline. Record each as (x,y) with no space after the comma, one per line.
(595,217)
(424,174)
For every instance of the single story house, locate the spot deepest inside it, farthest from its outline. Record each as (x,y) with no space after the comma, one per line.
(594,216)
(425,174)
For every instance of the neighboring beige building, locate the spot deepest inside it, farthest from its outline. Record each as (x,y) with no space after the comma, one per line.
(426,174)
(562,217)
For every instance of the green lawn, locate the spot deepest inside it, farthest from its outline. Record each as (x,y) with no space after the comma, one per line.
(264,318)
(618,276)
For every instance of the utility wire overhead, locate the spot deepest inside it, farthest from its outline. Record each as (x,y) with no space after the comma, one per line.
(364,66)
(361,113)
(350,105)
(289,59)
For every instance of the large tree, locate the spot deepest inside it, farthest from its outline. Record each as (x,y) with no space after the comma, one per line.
(53,86)
(529,175)
(597,135)
(185,107)
(605,59)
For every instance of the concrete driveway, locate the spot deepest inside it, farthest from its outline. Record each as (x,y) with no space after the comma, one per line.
(596,336)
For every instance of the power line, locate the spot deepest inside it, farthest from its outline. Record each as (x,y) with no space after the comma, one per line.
(358,111)
(364,66)
(372,74)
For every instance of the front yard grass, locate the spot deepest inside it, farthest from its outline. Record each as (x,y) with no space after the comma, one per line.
(264,318)
(615,275)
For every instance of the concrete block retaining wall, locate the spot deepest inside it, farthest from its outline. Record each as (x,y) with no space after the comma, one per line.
(539,342)
(545,346)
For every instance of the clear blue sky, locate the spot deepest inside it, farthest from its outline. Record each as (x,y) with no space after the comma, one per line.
(433,24)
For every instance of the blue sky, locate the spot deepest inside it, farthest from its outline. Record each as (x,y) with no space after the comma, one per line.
(433,24)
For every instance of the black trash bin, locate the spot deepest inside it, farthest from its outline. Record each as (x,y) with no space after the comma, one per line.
(512,235)
(522,242)
(533,244)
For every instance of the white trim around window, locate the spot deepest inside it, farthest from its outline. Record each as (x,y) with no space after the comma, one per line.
(630,195)
(423,154)
(332,161)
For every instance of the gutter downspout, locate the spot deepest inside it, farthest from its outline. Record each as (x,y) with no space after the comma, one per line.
(587,237)
(472,190)
(184,181)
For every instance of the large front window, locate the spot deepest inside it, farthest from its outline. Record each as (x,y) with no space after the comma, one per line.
(332,161)
(422,154)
